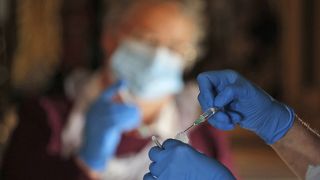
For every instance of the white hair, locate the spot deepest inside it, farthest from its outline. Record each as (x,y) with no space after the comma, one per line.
(192,8)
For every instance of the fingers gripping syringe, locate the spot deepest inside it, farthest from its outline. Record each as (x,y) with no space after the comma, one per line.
(202,118)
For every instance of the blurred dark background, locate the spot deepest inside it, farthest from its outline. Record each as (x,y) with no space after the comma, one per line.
(272,42)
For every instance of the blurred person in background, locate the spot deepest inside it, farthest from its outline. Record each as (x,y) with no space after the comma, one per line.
(103,129)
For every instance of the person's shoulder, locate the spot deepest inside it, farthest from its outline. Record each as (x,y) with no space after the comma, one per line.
(190,88)
(188,95)
(187,104)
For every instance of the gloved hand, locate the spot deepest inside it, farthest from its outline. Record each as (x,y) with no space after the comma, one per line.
(245,104)
(178,160)
(105,121)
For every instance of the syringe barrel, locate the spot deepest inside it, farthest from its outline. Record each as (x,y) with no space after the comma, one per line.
(206,115)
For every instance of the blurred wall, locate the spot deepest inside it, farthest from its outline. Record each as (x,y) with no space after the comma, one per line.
(39,43)
(300,55)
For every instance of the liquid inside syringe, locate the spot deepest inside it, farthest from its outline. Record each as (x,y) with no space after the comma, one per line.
(202,118)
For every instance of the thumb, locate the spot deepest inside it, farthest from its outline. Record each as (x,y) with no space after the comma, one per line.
(108,93)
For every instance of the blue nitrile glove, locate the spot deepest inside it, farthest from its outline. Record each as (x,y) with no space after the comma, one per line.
(105,122)
(245,104)
(178,160)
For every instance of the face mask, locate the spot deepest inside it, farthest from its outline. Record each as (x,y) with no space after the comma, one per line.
(150,72)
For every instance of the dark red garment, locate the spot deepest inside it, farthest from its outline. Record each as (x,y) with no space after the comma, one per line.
(34,150)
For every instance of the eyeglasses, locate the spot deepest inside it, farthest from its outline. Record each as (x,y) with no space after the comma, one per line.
(186,49)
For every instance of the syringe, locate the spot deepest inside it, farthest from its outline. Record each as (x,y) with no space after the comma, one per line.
(182,135)
(202,118)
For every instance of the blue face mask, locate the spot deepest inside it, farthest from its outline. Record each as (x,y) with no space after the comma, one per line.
(150,72)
